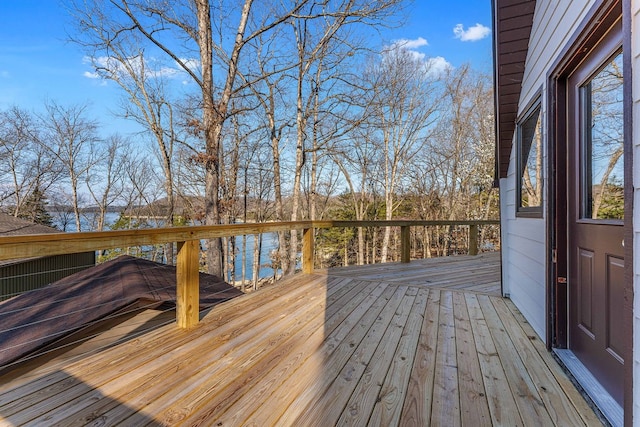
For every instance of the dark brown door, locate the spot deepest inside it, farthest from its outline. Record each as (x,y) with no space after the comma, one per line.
(596,207)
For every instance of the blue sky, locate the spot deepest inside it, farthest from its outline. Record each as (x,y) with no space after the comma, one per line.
(37,63)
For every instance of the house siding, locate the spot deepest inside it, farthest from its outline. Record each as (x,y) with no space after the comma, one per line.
(635,64)
(30,274)
(523,262)
(524,239)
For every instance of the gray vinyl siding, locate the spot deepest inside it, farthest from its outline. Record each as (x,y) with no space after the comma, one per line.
(27,275)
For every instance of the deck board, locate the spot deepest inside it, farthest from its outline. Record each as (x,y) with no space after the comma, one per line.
(417,405)
(481,273)
(500,398)
(388,407)
(530,405)
(474,409)
(320,349)
(445,410)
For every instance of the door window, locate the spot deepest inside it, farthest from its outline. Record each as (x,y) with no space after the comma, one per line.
(602,183)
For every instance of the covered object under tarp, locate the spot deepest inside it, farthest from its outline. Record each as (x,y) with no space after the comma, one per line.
(37,318)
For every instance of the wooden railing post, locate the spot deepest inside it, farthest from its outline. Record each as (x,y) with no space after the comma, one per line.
(307,250)
(405,244)
(473,239)
(188,284)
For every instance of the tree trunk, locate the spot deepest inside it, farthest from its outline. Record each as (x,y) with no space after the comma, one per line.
(168,248)
(300,128)
(213,117)
(74,196)
(277,189)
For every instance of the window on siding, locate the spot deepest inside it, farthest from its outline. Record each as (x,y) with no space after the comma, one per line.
(529,163)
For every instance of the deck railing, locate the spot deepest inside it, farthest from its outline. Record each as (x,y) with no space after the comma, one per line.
(188,238)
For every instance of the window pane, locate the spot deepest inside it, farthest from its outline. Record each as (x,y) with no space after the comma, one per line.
(531,160)
(603,162)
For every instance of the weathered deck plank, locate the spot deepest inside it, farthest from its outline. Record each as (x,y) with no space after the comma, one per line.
(317,350)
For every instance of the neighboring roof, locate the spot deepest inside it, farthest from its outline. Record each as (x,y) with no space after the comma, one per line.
(512,21)
(12,226)
(34,319)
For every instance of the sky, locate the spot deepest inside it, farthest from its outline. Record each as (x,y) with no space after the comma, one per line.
(38,64)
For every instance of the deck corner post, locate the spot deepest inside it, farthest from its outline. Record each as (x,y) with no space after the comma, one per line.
(307,250)
(473,239)
(405,244)
(188,284)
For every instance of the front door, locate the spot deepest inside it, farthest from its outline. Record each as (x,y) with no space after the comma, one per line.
(595,181)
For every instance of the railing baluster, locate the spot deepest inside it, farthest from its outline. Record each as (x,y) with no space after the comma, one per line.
(188,284)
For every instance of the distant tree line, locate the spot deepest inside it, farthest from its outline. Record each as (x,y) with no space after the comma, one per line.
(260,111)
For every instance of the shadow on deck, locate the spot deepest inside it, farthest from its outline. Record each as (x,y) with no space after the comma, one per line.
(374,345)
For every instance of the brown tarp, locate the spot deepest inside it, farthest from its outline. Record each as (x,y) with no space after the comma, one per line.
(34,319)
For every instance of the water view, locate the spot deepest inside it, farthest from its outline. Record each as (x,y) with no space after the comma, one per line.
(64,221)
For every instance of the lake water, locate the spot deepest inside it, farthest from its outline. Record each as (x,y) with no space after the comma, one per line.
(66,222)
(269,244)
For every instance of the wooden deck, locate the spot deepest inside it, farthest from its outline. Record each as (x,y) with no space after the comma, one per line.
(479,273)
(323,349)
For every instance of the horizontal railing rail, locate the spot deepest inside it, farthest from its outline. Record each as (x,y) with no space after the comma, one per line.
(187,239)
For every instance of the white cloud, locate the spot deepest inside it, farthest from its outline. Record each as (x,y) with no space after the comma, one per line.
(191,63)
(472,34)
(434,66)
(410,44)
(418,56)
(89,75)
(438,65)
(109,65)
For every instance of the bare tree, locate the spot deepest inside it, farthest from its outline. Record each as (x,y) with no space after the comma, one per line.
(401,94)
(357,164)
(25,165)
(207,43)
(454,174)
(147,93)
(314,41)
(269,91)
(461,136)
(160,24)
(70,137)
(104,182)
(259,190)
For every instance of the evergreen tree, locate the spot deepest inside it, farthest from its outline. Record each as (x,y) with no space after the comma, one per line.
(35,208)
